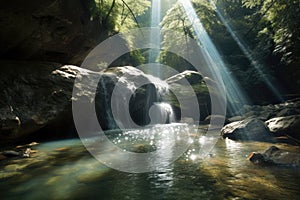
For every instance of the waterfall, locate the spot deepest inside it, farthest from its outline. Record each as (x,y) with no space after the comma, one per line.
(161,113)
(123,102)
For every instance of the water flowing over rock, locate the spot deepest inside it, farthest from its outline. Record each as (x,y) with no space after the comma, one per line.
(36,97)
(248,129)
(134,94)
(161,113)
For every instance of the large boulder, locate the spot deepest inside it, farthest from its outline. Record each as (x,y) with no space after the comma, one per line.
(261,112)
(285,126)
(248,129)
(36,97)
(58,31)
(191,77)
(187,86)
(131,87)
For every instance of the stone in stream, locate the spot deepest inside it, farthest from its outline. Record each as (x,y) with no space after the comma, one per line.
(22,154)
(285,126)
(249,129)
(275,156)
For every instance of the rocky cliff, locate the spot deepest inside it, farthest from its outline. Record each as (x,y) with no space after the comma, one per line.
(61,31)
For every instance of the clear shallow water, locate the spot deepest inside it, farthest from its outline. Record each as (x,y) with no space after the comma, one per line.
(65,170)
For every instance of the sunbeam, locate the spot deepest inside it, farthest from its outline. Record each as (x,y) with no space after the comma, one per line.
(247,53)
(217,66)
(155,39)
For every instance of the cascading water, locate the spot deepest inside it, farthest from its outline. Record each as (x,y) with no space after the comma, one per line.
(121,100)
(159,112)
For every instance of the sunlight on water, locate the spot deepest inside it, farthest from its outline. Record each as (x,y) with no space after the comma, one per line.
(247,53)
(218,68)
(65,170)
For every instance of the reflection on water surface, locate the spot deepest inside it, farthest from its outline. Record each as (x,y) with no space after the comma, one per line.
(65,170)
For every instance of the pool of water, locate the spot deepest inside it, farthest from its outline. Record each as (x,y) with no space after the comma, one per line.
(65,170)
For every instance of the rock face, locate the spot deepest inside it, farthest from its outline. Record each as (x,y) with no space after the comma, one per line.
(131,87)
(60,31)
(36,97)
(285,126)
(248,129)
(276,156)
(186,86)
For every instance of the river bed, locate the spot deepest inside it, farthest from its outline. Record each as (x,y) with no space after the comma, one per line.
(65,170)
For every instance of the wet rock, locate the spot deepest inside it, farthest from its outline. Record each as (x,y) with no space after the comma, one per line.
(11,153)
(276,156)
(285,126)
(248,129)
(130,86)
(188,87)
(256,158)
(36,97)
(266,112)
(9,122)
(22,154)
(27,145)
(235,118)
(287,112)
(186,77)
(218,119)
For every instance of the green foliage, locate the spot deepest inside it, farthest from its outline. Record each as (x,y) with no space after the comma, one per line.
(176,23)
(278,33)
(269,30)
(119,15)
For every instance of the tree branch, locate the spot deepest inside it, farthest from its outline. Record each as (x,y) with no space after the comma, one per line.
(110,10)
(131,12)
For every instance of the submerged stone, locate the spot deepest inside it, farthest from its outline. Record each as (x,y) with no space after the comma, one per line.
(276,156)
